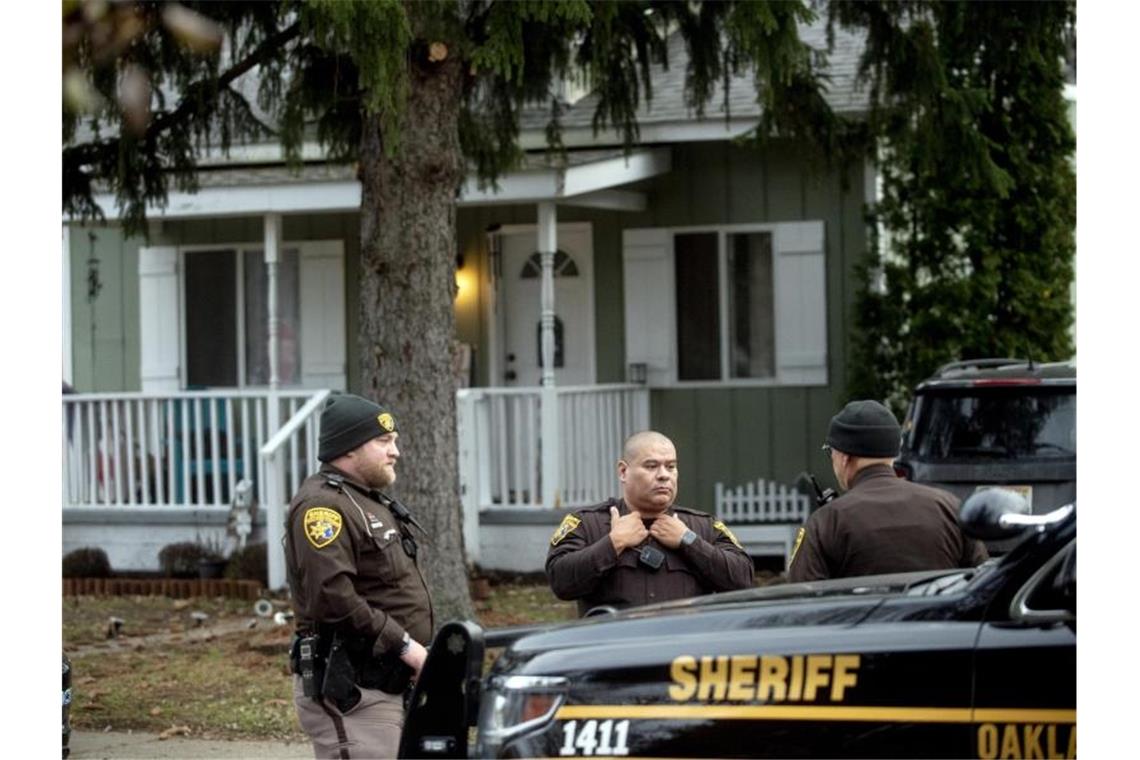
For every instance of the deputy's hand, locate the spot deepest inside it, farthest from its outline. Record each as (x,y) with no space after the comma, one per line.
(626,530)
(414,658)
(668,529)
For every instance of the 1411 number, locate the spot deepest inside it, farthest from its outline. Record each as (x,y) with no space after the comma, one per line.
(605,737)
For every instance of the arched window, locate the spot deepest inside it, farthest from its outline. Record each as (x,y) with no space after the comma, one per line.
(564,266)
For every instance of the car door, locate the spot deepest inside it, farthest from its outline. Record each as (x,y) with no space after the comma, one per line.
(890,682)
(1026,668)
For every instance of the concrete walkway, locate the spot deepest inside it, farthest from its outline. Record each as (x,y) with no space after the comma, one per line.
(112,745)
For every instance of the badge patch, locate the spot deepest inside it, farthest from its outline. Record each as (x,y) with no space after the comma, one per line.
(569,523)
(386,422)
(796,546)
(322,526)
(718,525)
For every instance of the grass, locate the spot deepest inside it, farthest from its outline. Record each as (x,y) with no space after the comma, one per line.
(219,679)
(162,673)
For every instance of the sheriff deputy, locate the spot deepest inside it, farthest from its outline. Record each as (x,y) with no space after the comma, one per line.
(362,607)
(882,524)
(642,548)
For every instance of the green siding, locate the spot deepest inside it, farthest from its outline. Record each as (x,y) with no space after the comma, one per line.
(107,359)
(730,435)
(106,327)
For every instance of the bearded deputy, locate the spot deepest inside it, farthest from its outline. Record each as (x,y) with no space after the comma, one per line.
(362,607)
(642,548)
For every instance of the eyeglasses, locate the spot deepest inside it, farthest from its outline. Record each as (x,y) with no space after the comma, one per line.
(826,449)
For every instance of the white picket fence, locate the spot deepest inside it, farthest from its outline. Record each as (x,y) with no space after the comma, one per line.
(761,502)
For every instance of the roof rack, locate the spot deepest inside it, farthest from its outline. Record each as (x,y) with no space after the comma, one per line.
(978,364)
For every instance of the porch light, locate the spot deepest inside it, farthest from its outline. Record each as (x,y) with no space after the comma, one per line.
(465,282)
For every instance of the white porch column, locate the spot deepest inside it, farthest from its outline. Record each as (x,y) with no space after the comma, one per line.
(273,493)
(547,245)
(272,256)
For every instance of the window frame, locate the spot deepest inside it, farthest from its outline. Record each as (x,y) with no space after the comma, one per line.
(239,250)
(722,232)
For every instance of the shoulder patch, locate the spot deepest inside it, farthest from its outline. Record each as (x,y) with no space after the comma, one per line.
(718,525)
(796,546)
(569,523)
(322,526)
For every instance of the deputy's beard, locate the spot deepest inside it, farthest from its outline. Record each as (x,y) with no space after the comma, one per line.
(381,476)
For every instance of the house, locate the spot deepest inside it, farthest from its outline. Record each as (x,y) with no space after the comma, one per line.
(701,287)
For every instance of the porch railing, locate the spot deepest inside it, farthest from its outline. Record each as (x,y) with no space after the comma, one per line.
(500,448)
(185,449)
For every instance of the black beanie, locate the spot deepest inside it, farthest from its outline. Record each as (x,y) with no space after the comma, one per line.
(348,421)
(865,429)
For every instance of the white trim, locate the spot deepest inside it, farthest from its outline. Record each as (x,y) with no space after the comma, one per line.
(589,183)
(785,239)
(600,175)
(609,200)
(648,134)
(67,348)
(711,128)
(239,250)
(499,328)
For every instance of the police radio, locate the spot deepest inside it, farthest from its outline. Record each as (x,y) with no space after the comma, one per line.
(822,495)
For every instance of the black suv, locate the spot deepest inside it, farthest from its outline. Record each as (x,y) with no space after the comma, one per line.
(995,422)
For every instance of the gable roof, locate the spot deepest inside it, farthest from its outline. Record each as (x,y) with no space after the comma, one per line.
(843,92)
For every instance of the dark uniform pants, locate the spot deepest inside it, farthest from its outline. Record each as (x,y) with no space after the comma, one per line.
(371,729)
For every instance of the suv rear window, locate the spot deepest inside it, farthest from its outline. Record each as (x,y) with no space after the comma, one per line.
(984,424)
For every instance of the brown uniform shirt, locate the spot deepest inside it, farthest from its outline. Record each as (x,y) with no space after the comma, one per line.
(347,565)
(883,525)
(582,564)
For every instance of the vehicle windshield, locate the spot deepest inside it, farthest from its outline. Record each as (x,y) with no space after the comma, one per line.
(983,424)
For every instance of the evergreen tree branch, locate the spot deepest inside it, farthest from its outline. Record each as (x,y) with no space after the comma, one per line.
(78,193)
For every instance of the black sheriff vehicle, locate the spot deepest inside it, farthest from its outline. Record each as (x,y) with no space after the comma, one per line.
(966,663)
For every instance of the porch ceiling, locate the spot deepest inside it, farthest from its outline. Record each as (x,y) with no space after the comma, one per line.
(588,179)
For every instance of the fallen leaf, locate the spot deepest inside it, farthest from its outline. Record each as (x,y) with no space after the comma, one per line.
(156,710)
(87,679)
(174,731)
(278,702)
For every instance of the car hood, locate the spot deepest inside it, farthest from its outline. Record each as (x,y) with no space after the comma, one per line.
(845,603)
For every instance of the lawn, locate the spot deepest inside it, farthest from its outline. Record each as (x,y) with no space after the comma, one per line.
(211,668)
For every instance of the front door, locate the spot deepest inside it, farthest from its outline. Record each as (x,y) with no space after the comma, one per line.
(573,308)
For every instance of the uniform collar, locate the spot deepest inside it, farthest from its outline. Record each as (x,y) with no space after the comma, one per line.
(872,471)
(348,479)
(623,508)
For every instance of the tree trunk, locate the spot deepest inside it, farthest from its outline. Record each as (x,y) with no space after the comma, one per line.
(407,251)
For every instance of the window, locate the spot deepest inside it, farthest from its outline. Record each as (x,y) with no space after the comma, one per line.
(997,424)
(741,304)
(227,318)
(743,346)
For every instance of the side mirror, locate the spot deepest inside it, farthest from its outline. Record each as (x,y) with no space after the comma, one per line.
(981,514)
